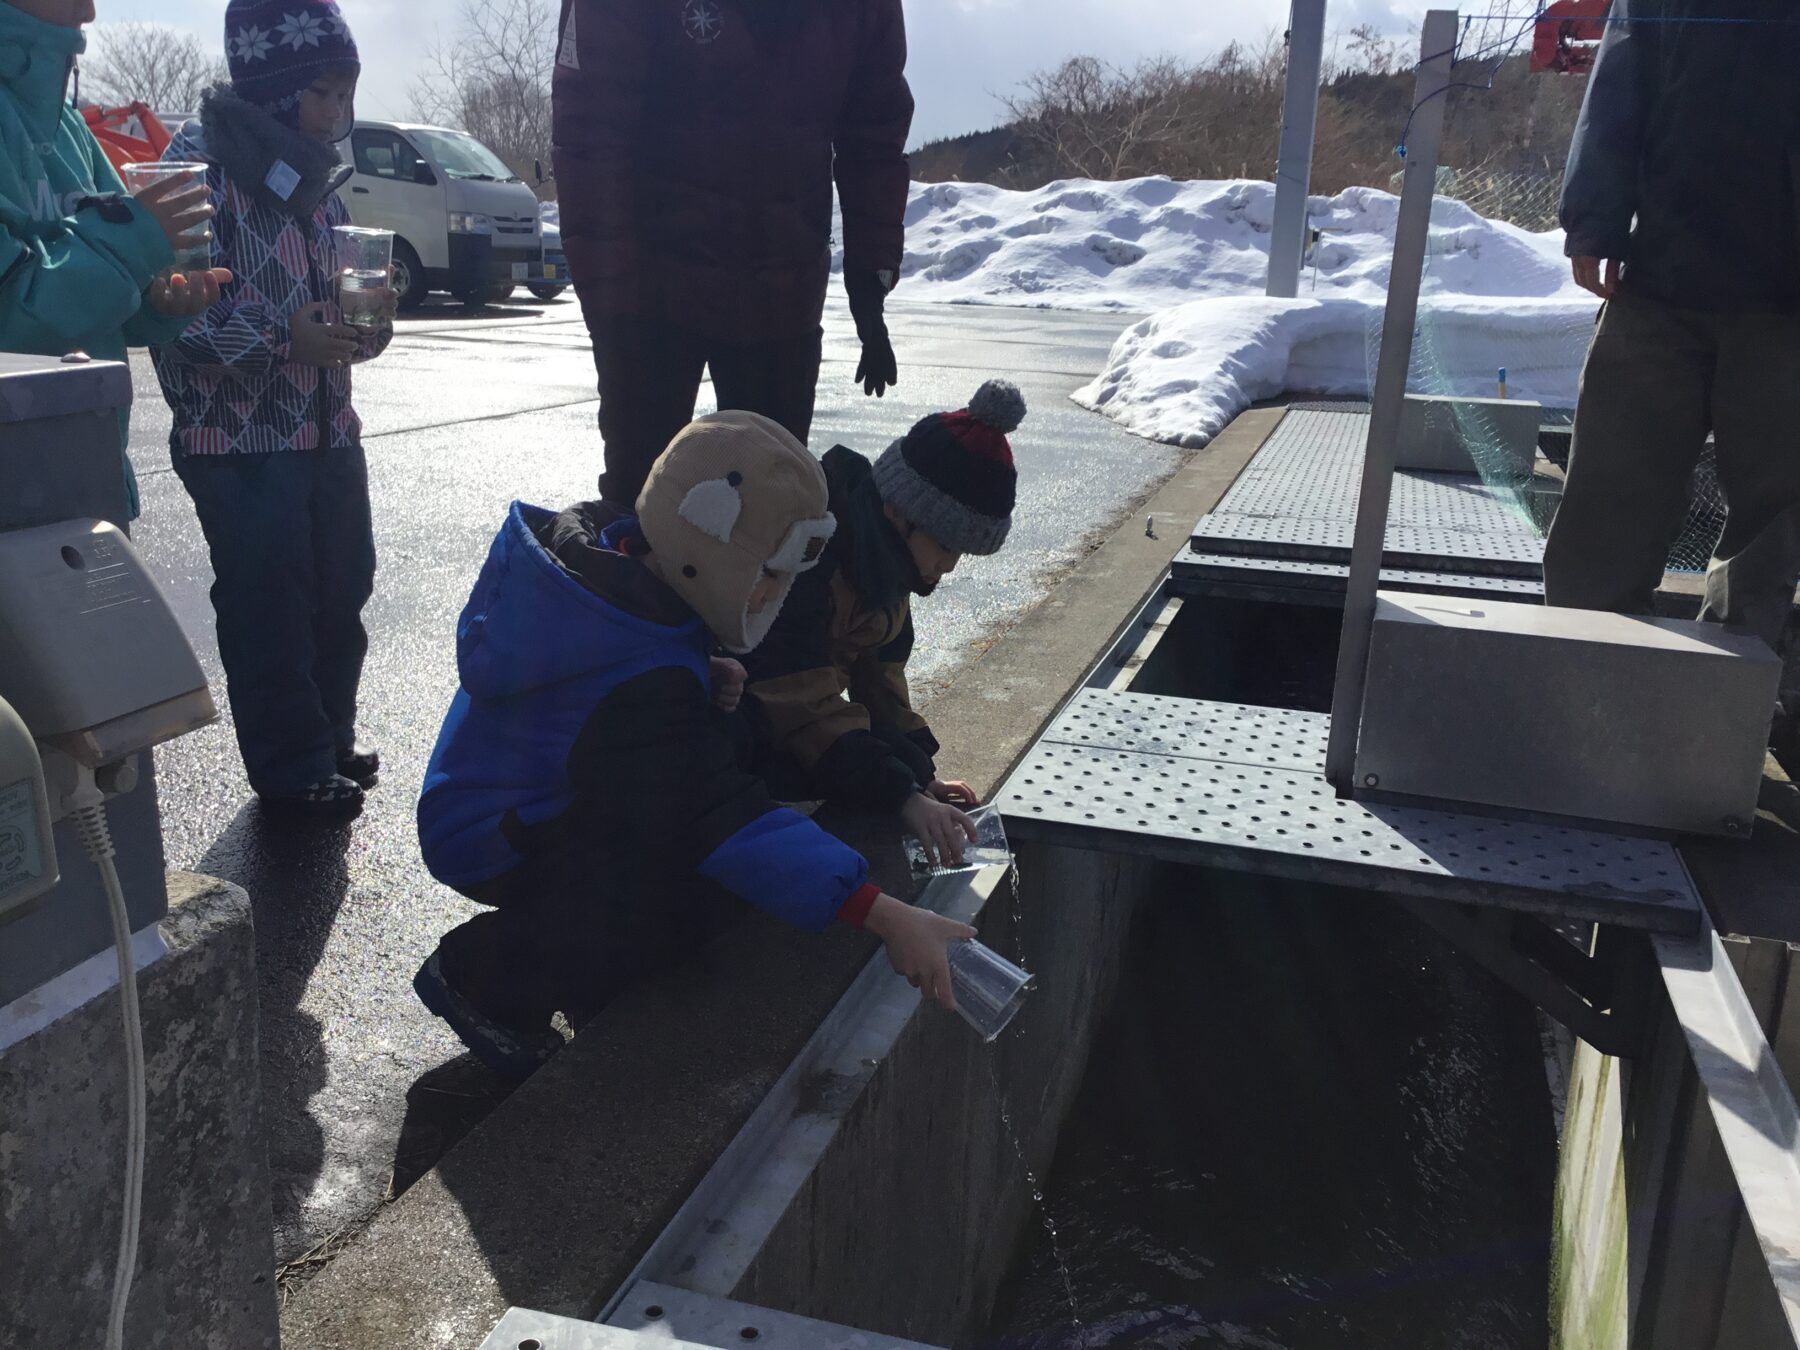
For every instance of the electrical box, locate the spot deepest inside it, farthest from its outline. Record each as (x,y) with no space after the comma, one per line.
(90,654)
(27,846)
(1660,724)
(1435,436)
(59,439)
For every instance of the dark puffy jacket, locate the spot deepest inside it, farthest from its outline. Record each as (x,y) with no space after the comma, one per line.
(583,726)
(695,145)
(1692,124)
(828,690)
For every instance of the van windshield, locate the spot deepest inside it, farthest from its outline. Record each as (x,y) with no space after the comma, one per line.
(463,156)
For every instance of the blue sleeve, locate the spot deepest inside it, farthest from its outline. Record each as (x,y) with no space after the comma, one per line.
(783,863)
(1600,185)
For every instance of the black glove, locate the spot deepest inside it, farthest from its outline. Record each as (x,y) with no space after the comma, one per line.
(868,293)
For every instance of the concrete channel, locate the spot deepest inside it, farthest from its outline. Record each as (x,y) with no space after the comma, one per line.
(786,1201)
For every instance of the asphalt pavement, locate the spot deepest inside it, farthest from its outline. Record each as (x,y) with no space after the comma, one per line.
(362,1088)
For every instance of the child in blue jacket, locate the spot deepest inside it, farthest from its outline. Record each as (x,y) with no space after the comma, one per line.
(583,784)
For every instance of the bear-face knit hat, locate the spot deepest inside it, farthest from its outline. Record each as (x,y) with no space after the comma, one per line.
(734,496)
(275,49)
(952,475)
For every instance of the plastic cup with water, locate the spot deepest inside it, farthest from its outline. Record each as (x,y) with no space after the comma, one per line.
(190,257)
(989,849)
(364,260)
(989,989)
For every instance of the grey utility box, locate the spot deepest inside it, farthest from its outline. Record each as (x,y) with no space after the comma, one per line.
(1436,435)
(1652,723)
(59,461)
(59,440)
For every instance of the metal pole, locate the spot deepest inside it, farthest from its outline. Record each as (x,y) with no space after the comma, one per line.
(1293,167)
(1411,233)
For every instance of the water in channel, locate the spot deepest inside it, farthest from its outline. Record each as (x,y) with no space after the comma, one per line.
(1307,1124)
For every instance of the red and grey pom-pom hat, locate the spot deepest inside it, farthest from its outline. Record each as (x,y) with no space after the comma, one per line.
(952,475)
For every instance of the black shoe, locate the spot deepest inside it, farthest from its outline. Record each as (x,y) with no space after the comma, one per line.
(333,798)
(509,1051)
(362,767)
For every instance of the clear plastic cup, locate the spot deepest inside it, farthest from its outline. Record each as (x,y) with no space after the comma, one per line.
(364,259)
(191,257)
(989,849)
(989,989)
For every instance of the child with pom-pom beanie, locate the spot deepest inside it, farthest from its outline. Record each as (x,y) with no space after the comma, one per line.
(827,694)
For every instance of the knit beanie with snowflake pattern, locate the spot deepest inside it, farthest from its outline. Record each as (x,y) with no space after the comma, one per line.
(275,49)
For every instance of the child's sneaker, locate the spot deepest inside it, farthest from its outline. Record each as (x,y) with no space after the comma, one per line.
(333,798)
(509,1052)
(360,765)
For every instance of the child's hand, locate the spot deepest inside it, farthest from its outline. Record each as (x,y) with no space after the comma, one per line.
(183,295)
(955,791)
(727,683)
(316,338)
(916,941)
(941,828)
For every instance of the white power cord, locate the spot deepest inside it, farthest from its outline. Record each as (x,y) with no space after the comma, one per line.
(90,818)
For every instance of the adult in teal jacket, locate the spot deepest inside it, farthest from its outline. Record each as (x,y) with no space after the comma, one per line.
(79,259)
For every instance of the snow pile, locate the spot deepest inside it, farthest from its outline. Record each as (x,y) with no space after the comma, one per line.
(1150,243)
(1496,295)
(1184,374)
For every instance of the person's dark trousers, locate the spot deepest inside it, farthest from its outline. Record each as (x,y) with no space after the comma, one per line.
(650,373)
(566,937)
(293,557)
(1657,380)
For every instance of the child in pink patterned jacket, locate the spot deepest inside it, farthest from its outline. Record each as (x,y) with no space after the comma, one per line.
(265,439)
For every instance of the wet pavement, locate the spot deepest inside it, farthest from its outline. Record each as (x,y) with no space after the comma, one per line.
(362,1088)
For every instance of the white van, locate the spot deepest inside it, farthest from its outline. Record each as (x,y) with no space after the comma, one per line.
(463,222)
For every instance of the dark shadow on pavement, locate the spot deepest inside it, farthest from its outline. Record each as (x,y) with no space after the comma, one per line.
(296,876)
(441,1107)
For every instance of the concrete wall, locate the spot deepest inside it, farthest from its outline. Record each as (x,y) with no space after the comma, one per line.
(1653,1250)
(206,1262)
(922,1175)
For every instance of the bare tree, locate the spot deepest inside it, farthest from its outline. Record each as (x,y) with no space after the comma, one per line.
(491,78)
(151,63)
(1093,120)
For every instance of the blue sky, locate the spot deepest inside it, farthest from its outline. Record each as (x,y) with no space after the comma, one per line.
(963,52)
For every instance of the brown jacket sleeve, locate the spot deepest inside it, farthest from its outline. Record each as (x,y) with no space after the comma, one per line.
(798,685)
(598,96)
(870,144)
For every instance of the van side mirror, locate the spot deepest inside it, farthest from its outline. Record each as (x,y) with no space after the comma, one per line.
(423,176)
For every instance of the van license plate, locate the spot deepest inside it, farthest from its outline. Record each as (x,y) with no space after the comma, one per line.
(550,271)
(521,271)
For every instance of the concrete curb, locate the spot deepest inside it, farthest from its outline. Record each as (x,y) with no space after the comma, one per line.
(549,1203)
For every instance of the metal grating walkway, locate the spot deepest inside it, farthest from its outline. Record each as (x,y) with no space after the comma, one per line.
(1226,785)
(1296,502)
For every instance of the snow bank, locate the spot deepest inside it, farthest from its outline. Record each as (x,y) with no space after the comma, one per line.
(1184,374)
(1147,244)
(1495,295)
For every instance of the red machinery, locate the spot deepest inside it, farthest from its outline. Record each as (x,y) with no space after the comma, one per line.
(130,135)
(1567,36)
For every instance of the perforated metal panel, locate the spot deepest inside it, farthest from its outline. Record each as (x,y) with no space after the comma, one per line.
(1226,786)
(1232,733)
(1432,548)
(1297,499)
(1310,573)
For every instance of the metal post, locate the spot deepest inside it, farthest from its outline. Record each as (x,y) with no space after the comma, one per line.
(1293,167)
(1411,233)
